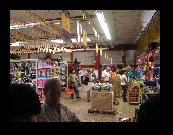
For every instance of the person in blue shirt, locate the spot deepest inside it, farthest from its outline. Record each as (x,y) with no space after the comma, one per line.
(138,72)
(94,76)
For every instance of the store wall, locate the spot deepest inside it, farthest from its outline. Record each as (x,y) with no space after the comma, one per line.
(130,57)
(65,56)
(115,55)
(35,56)
(23,56)
(86,58)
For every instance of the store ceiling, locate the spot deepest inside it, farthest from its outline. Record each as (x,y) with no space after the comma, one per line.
(124,26)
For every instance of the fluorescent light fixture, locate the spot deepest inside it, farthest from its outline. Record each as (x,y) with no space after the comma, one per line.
(100,17)
(57,23)
(91,48)
(20,26)
(60,41)
(16,43)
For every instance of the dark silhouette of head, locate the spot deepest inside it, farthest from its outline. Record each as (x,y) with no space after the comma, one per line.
(24,103)
(149,111)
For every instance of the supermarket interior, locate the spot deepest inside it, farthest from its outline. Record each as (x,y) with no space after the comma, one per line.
(106,63)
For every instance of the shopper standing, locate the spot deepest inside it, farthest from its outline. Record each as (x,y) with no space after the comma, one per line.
(124,85)
(138,72)
(106,75)
(81,74)
(52,110)
(72,78)
(88,86)
(130,77)
(94,76)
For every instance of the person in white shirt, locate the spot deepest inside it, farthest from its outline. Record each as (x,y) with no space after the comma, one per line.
(124,84)
(106,75)
(81,74)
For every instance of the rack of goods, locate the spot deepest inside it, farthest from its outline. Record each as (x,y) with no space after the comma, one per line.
(135,92)
(102,99)
(24,71)
(51,69)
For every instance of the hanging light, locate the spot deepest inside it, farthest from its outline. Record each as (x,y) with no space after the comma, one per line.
(100,17)
(100,52)
(96,48)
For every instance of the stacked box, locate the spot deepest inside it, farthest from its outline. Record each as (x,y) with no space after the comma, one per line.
(102,100)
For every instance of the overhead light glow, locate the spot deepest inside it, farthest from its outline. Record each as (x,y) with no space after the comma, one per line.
(60,41)
(17,43)
(100,17)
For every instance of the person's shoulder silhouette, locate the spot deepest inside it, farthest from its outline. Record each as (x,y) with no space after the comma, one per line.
(149,111)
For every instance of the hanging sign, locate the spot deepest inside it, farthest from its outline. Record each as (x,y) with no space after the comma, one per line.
(66,20)
(66,24)
(84,37)
(65,34)
(100,52)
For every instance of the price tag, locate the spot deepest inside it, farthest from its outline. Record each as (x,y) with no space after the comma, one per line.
(101,95)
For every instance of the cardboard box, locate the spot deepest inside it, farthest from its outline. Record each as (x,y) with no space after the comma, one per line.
(102,100)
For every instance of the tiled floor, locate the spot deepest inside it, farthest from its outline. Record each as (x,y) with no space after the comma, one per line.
(81,106)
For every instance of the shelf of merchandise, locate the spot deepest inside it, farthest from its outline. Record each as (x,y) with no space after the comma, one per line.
(59,71)
(135,93)
(19,71)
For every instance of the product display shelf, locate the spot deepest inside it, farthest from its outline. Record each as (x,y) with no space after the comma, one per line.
(48,69)
(63,74)
(135,93)
(24,71)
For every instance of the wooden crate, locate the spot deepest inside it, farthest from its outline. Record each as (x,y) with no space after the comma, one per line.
(102,100)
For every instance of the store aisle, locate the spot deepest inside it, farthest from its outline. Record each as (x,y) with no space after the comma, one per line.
(81,106)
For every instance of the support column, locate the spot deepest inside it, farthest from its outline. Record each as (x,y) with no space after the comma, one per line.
(48,54)
(71,56)
(124,58)
(28,55)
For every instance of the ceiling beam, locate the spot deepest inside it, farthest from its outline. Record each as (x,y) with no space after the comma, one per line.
(72,18)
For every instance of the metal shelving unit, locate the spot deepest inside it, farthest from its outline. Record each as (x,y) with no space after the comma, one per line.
(19,71)
(135,93)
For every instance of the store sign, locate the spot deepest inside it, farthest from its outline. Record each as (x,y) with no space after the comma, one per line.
(84,37)
(66,20)
(65,34)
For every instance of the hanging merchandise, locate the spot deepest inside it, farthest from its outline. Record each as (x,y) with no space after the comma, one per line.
(52,69)
(24,71)
(60,59)
(63,74)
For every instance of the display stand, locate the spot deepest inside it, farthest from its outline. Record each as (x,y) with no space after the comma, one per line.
(63,74)
(102,102)
(50,69)
(24,71)
(102,97)
(135,93)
